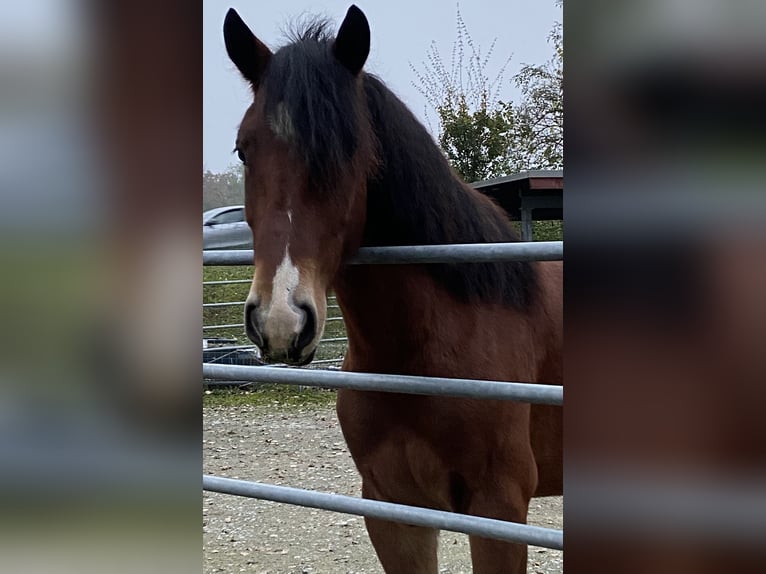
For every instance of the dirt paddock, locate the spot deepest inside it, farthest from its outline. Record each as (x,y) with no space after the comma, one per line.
(303,447)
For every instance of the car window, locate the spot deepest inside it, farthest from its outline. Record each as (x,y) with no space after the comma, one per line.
(232,216)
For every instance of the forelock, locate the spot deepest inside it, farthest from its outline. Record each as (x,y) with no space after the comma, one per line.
(313,102)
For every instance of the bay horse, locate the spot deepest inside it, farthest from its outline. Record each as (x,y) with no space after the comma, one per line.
(335,161)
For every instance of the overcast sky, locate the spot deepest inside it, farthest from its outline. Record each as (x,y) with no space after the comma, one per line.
(402,31)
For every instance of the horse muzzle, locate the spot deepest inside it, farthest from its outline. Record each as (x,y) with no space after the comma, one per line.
(284,334)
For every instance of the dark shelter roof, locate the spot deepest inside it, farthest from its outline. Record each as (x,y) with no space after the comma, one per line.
(541,190)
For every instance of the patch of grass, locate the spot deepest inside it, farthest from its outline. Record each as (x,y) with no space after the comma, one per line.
(267,395)
(548,230)
(224,294)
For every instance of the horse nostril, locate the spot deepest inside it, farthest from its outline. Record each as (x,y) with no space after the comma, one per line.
(251,327)
(309,328)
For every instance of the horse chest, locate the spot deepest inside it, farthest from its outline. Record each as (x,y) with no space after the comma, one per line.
(413,448)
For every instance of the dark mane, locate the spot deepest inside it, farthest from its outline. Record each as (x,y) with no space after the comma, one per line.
(414,197)
(417,199)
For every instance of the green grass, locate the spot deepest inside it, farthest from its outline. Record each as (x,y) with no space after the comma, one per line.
(283,396)
(548,230)
(552,230)
(225,294)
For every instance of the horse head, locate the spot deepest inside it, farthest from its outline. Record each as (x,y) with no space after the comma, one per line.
(308,149)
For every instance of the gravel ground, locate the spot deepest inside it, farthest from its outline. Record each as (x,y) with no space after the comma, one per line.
(303,447)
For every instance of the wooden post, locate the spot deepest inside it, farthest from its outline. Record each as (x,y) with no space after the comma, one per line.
(526,222)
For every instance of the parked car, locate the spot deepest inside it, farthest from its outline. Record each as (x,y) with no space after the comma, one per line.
(226,228)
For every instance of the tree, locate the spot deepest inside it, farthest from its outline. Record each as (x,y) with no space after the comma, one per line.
(475,127)
(481,135)
(539,117)
(220,189)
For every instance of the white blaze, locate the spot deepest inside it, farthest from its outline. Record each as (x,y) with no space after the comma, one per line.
(280,320)
(283,319)
(286,279)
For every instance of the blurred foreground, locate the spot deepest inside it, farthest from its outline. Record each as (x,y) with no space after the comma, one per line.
(100,145)
(665,440)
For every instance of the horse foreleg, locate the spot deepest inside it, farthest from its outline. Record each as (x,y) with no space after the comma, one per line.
(401,548)
(493,556)
(496,557)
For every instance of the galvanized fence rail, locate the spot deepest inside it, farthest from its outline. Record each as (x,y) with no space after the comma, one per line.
(414,515)
(412,254)
(466,388)
(527,392)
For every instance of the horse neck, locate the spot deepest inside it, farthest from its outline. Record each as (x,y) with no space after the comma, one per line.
(390,307)
(414,199)
(390,311)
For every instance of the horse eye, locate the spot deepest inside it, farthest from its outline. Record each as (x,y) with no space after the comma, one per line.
(241,156)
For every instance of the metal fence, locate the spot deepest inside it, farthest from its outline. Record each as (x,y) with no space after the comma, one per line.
(533,393)
(461,253)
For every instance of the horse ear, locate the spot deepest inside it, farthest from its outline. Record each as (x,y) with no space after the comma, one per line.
(248,53)
(352,45)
